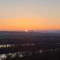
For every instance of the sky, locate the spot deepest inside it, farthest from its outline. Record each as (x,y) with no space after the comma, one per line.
(29,15)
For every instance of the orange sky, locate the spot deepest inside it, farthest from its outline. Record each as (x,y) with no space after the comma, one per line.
(13,24)
(29,15)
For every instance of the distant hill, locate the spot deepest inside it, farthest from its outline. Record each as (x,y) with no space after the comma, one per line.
(18,37)
(17,34)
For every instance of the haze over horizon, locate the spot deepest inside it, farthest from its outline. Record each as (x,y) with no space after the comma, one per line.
(24,15)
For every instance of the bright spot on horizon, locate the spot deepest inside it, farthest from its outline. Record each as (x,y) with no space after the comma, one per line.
(26,30)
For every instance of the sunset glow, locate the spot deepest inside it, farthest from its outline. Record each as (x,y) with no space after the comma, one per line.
(29,24)
(17,15)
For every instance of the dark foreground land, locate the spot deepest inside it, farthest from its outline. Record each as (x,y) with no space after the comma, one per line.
(19,56)
(29,46)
